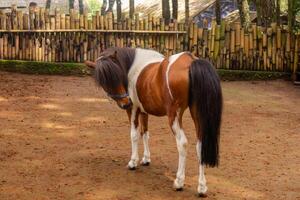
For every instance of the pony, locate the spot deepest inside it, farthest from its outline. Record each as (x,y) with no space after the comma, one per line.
(143,82)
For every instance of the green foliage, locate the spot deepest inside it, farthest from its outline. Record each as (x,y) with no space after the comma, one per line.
(296,10)
(94,6)
(284,5)
(29,67)
(244,75)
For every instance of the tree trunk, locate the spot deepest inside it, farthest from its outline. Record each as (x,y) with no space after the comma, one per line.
(103,8)
(187,11)
(175,9)
(71,4)
(81,6)
(258,12)
(291,17)
(268,11)
(244,13)
(48,4)
(119,10)
(186,25)
(278,12)
(131,9)
(272,10)
(218,12)
(110,5)
(166,10)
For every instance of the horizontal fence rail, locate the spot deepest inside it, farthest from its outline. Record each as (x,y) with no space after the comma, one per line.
(39,36)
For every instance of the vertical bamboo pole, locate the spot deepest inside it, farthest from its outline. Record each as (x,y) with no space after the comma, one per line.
(20,20)
(232,48)
(195,38)
(296,56)
(222,44)
(52,23)
(42,19)
(227,45)
(269,48)
(31,18)
(72,19)
(264,47)
(1,46)
(200,42)
(57,18)
(85,17)
(62,21)
(47,19)
(68,22)
(97,20)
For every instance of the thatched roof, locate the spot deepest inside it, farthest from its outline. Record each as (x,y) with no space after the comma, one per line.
(141,6)
(63,5)
(7,3)
(235,16)
(155,8)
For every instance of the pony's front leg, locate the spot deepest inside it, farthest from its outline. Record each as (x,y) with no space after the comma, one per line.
(145,135)
(181,141)
(134,135)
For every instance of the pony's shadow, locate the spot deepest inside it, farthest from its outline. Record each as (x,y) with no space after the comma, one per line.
(112,174)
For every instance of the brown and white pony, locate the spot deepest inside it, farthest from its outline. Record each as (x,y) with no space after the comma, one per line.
(144,82)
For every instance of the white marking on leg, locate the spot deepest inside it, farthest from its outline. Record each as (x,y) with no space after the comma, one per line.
(172,59)
(134,135)
(202,188)
(146,157)
(181,146)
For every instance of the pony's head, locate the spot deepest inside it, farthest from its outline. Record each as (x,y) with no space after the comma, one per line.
(111,74)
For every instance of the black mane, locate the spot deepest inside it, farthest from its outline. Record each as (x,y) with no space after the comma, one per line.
(112,67)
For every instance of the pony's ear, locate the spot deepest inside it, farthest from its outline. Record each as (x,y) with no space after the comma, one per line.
(90,64)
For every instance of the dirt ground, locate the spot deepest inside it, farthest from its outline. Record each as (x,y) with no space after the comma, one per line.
(61,138)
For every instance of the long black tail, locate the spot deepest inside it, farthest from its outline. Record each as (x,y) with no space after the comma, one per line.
(206,96)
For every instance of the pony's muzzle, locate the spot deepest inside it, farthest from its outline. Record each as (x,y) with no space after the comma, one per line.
(125,106)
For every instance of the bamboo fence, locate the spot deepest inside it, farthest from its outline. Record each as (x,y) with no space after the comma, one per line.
(39,36)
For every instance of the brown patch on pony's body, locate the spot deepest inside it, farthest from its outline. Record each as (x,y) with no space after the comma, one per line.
(179,80)
(151,89)
(152,83)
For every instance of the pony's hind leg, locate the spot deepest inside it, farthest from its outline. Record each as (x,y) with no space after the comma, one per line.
(175,120)
(145,134)
(202,188)
(134,135)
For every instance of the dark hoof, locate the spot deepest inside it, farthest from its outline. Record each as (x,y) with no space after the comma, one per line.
(179,189)
(145,164)
(131,168)
(202,195)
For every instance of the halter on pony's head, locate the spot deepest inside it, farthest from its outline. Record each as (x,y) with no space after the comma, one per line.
(111,76)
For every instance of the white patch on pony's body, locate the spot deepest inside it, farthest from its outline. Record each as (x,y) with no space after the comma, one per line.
(143,57)
(134,135)
(172,59)
(181,147)
(146,158)
(202,188)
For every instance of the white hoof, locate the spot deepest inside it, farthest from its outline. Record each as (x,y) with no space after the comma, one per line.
(132,165)
(202,189)
(178,184)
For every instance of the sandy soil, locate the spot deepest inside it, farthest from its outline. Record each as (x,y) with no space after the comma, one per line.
(61,138)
